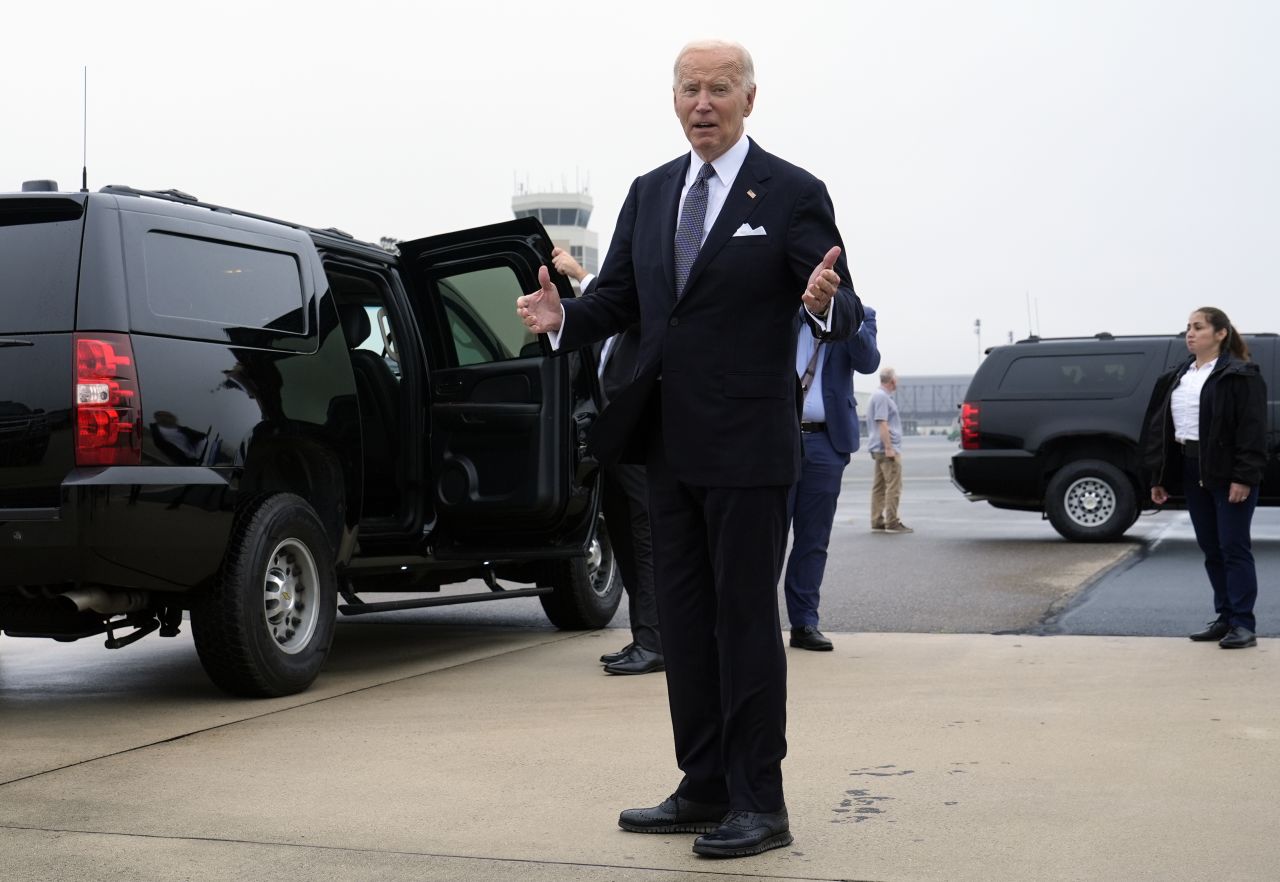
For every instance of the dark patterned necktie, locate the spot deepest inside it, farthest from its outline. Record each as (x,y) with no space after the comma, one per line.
(689,230)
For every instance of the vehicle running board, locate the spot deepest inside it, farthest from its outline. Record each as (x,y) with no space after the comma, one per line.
(360,608)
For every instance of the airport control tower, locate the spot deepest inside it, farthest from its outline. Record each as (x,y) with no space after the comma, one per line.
(565,215)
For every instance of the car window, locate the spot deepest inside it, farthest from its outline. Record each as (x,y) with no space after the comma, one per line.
(480,309)
(39,263)
(223,283)
(1106,375)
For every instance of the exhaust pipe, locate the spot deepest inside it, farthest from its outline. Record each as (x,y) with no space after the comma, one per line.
(107,603)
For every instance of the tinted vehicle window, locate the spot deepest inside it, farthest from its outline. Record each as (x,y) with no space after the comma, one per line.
(227,285)
(39,264)
(483,324)
(1102,376)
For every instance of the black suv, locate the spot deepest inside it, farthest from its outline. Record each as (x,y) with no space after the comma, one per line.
(1052,425)
(203,409)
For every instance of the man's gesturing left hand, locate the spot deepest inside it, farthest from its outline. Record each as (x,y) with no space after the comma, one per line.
(540,310)
(823,283)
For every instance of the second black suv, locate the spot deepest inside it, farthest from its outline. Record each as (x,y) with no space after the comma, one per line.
(206,410)
(1052,425)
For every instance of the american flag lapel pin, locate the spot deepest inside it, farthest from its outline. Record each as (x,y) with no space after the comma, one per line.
(751,193)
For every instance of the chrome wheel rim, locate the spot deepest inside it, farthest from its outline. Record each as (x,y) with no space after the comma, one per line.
(1090,502)
(289,594)
(602,569)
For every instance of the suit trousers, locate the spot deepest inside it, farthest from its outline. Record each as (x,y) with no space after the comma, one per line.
(1222,532)
(811,505)
(625,503)
(886,490)
(717,559)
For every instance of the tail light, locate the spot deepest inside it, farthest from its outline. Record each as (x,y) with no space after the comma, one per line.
(969,426)
(108,407)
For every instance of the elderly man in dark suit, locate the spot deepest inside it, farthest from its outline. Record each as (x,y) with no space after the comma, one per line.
(719,254)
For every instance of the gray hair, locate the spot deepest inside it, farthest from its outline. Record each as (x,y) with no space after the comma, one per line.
(888,375)
(746,66)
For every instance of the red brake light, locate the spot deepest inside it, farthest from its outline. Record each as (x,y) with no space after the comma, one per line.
(969,426)
(108,408)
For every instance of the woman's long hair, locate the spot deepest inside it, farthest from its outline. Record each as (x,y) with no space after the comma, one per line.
(1233,342)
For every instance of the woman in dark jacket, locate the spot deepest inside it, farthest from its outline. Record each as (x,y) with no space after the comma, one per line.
(1206,438)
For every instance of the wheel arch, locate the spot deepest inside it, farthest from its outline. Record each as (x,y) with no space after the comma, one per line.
(1065,449)
(307,467)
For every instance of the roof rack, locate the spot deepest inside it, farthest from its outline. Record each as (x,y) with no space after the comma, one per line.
(1107,335)
(178,196)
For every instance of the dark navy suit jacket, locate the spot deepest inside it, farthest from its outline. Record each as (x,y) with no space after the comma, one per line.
(726,351)
(858,353)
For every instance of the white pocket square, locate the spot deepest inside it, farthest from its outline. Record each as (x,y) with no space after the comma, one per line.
(748,230)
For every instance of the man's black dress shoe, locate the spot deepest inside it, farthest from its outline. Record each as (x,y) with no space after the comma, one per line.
(1238,638)
(675,815)
(610,657)
(1215,630)
(745,833)
(809,637)
(638,661)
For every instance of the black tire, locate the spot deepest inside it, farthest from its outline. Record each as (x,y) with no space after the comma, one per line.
(1091,501)
(265,627)
(587,589)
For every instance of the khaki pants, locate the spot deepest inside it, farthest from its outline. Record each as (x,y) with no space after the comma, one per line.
(886,490)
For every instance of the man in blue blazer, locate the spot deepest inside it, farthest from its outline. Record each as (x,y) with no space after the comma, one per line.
(829,430)
(720,255)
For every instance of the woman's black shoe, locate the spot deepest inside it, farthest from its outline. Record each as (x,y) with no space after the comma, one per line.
(1215,630)
(1239,638)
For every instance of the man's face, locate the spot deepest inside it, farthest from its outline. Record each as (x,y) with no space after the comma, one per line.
(711,101)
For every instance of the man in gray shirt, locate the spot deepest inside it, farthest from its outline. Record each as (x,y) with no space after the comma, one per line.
(884,441)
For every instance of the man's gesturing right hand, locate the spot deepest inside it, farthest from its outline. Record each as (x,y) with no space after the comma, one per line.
(540,311)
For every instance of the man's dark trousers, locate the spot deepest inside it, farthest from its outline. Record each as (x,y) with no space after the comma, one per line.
(811,505)
(625,504)
(710,582)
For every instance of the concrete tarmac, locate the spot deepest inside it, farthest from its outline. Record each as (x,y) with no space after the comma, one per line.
(425,753)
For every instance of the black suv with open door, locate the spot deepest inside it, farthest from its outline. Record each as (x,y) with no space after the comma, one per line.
(1052,425)
(207,410)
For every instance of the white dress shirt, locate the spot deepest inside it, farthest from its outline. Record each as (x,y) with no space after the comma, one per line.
(1185,402)
(814,409)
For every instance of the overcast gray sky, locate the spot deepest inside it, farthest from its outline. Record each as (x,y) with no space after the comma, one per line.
(1115,161)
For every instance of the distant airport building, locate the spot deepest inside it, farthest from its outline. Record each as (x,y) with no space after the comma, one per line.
(929,402)
(565,215)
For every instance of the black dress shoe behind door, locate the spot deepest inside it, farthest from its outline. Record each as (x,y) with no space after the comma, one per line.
(638,661)
(610,657)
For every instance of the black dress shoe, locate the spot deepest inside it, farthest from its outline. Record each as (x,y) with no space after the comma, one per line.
(610,657)
(1238,638)
(809,637)
(1215,630)
(675,815)
(637,661)
(745,833)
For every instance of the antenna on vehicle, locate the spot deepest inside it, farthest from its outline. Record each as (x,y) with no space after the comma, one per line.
(84,134)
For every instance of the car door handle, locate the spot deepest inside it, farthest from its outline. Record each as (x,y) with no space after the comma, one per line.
(4,343)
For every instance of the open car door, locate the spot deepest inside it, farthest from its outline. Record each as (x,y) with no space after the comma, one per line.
(508,419)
